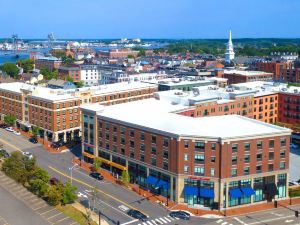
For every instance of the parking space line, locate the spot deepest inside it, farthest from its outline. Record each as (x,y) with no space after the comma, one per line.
(38,204)
(54,216)
(47,211)
(40,208)
(30,197)
(32,201)
(61,220)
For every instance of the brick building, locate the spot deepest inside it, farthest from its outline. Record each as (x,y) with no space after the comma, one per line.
(56,111)
(242,76)
(70,71)
(220,162)
(50,62)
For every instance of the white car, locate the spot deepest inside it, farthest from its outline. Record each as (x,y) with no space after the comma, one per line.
(28,155)
(10,129)
(17,133)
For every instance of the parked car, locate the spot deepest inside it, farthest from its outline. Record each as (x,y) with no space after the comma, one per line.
(17,133)
(10,129)
(180,215)
(57,144)
(33,140)
(54,181)
(137,215)
(4,154)
(293,183)
(3,126)
(97,176)
(28,155)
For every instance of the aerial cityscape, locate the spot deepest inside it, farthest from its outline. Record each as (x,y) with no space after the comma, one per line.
(149,112)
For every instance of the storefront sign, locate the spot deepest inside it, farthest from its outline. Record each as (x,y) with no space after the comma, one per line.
(198,178)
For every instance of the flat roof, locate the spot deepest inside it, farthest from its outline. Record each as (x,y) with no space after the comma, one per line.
(246,72)
(156,115)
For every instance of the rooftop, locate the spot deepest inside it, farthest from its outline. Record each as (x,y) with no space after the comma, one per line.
(246,72)
(152,114)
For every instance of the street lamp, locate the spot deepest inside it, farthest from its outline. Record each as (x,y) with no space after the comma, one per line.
(71,171)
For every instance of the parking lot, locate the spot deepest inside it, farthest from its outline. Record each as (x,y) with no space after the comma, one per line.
(22,207)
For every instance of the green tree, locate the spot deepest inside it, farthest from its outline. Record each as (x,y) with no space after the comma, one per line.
(141,52)
(125,177)
(38,187)
(19,167)
(10,69)
(67,60)
(97,163)
(69,194)
(10,120)
(70,79)
(49,74)
(26,64)
(79,84)
(41,174)
(54,195)
(130,57)
(35,131)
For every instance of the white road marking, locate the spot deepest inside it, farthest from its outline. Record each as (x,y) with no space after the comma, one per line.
(162,220)
(289,221)
(171,218)
(276,214)
(144,223)
(269,220)
(123,208)
(129,222)
(159,221)
(224,223)
(149,222)
(219,221)
(240,221)
(167,219)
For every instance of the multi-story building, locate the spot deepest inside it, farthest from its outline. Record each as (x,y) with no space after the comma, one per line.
(220,162)
(241,76)
(118,53)
(49,62)
(56,111)
(73,72)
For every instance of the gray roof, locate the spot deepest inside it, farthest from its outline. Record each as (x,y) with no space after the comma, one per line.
(56,82)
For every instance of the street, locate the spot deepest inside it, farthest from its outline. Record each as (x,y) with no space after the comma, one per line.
(113,200)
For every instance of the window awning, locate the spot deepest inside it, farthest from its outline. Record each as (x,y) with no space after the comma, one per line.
(235,193)
(271,189)
(162,184)
(190,190)
(207,193)
(151,180)
(247,191)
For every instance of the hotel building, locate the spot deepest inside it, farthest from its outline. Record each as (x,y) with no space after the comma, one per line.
(56,111)
(216,162)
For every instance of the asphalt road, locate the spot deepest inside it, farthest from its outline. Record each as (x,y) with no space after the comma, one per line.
(113,201)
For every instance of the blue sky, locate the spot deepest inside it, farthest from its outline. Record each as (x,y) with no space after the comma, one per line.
(150,18)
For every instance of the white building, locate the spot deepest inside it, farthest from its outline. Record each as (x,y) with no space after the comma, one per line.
(90,75)
(229,55)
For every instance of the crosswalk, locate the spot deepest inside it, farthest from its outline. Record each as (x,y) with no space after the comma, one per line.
(222,222)
(159,221)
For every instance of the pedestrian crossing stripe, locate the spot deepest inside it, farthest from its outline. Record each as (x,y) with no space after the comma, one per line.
(159,221)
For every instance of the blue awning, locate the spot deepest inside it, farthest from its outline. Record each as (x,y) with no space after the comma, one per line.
(162,184)
(207,193)
(190,190)
(248,191)
(235,193)
(151,180)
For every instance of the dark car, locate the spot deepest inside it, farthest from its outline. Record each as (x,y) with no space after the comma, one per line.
(97,176)
(33,140)
(54,181)
(4,153)
(180,215)
(57,144)
(137,215)
(3,126)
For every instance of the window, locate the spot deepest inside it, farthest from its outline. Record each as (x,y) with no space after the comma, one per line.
(142,136)
(122,130)
(153,150)
(186,157)
(234,147)
(282,165)
(246,170)
(259,157)
(213,159)
(153,139)
(131,144)
(233,172)
(199,159)
(247,146)
(186,169)
(186,144)
(166,154)
(213,146)
(199,170)
(246,158)
(282,142)
(259,144)
(142,147)
(212,172)
(199,145)
(258,169)
(270,167)
(166,142)
(271,155)
(271,143)
(165,165)
(114,128)
(142,158)
(234,160)
(131,133)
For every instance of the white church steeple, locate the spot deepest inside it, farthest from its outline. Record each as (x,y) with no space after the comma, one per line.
(229,55)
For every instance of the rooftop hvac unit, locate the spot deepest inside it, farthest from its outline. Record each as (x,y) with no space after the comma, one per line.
(178,93)
(295,91)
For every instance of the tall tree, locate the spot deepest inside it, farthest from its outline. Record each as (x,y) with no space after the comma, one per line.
(10,120)
(26,64)
(10,69)
(69,194)
(97,163)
